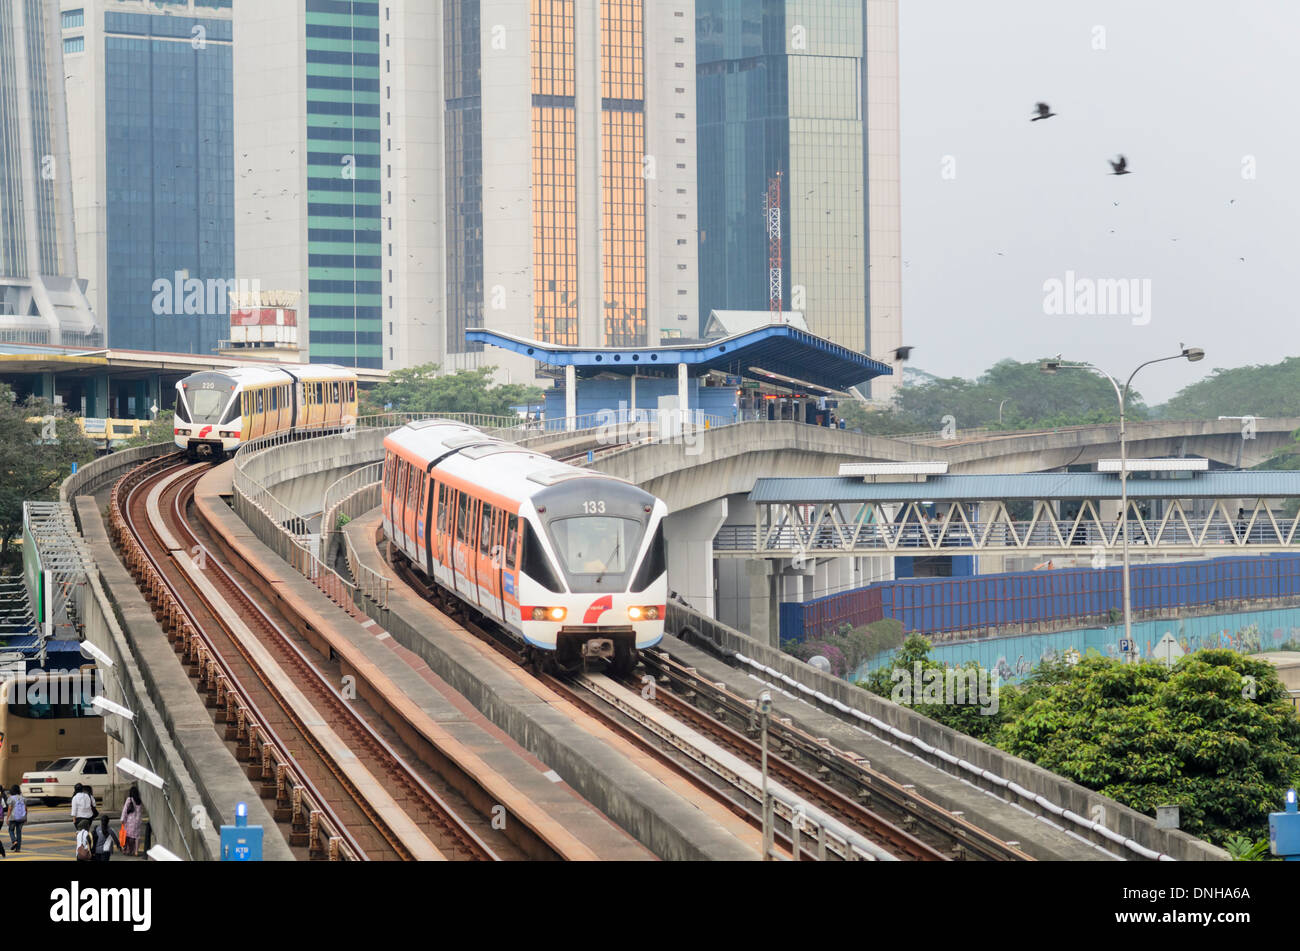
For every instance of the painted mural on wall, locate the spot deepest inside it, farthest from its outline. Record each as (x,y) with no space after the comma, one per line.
(1014,657)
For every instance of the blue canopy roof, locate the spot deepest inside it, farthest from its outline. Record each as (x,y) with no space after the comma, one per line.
(778,349)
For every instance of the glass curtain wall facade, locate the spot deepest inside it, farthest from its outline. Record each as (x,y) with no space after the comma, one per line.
(779,89)
(344,124)
(623,184)
(742,102)
(555,172)
(169,179)
(14,259)
(463,126)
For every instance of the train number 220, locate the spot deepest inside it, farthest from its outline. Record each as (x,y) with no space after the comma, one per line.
(593,507)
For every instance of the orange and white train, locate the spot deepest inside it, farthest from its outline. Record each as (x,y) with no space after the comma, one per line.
(218,410)
(570,560)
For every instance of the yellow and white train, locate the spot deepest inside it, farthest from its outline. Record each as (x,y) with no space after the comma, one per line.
(218,410)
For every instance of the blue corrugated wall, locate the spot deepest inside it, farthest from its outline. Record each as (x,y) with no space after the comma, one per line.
(932,605)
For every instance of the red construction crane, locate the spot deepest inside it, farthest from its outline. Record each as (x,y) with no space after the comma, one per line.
(774,252)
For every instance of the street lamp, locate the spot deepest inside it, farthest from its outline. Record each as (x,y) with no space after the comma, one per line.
(764,712)
(1191,355)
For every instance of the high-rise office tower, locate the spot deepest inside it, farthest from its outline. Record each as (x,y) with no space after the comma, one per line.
(541,161)
(308,126)
(805,91)
(423,167)
(149,108)
(42,299)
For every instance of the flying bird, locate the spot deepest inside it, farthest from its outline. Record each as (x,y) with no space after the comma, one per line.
(1044,112)
(902,353)
(1120,167)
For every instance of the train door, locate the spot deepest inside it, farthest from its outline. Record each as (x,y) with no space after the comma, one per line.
(489,560)
(413,494)
(460,580)
(442,536)
(509,595)
(399,505)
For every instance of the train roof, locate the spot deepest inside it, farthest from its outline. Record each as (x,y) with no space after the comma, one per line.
(253,376)
(522,472)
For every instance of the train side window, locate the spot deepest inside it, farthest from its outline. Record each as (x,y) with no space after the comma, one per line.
(442,507)
(336,392)
(485,530)
(259,402)
(512,539)
(413,496)
(275,398)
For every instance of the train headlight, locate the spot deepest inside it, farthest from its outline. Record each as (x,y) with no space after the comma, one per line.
(634,613)
(646,613)
(548,614)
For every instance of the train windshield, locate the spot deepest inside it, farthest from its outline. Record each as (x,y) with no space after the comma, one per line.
(207,395)
(596,551)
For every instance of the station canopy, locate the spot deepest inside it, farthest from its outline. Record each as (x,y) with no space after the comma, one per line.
(777,354)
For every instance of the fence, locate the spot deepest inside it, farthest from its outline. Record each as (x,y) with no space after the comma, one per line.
(1025,601)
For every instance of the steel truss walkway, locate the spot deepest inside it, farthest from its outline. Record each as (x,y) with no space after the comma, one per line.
(1052,513)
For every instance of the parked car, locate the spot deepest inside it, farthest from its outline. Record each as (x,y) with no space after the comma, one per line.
(57,781)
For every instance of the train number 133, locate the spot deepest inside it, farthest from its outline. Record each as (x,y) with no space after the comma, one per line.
(593,507)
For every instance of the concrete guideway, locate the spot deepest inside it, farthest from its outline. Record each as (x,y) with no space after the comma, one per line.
(431,725)
(835,708)
(659,808)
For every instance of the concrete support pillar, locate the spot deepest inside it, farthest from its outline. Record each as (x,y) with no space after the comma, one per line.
(764,616)
(45,388)
(688,535)
(570,397)
(683,392)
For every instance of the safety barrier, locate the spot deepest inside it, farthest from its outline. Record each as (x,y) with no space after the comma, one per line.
(1023,601)
(255,742)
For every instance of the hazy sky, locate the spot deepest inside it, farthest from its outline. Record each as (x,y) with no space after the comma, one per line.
(1190,91)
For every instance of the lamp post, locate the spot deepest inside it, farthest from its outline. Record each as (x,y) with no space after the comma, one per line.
(1191,355)
(765,711)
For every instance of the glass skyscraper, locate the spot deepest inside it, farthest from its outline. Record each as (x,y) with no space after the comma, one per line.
(150,104)
(41,297)
(785,88)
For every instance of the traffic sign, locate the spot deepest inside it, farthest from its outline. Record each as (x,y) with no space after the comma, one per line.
(1168,651)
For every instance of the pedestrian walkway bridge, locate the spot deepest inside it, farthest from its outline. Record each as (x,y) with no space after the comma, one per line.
(1197,513)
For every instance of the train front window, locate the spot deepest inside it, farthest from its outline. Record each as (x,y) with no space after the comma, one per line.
(207,395)
(598,546)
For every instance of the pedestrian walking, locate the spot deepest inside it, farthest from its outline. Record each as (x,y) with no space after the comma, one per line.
(105,841)
(83,808)
(84,845)
(17,818)
(132,819)
(4,808)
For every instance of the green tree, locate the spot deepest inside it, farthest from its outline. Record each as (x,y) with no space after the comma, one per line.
(160,429)
(1029,399)
(423,389)
(971,717)
(1270,390)
(31,465)
(1216,736)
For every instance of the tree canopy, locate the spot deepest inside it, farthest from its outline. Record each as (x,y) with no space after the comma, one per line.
(1269,390)
(423,389)
(1033,400)
(1216,735)
(31,466)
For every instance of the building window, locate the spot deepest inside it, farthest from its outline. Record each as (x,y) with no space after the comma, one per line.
(680,115)
(681,240)
(74,44)
(73,18)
